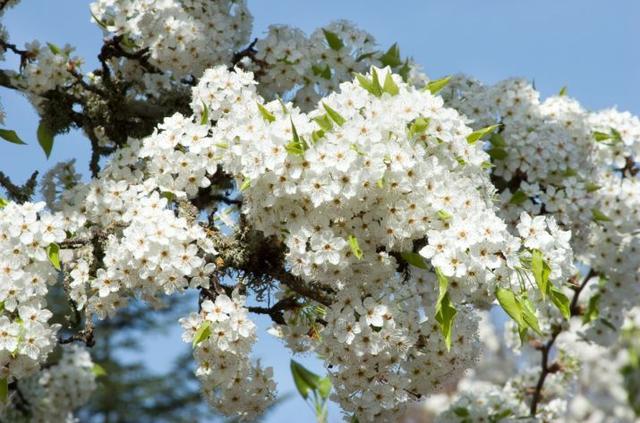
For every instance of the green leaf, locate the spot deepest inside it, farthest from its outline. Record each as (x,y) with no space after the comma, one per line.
(304,379)
(266,115)
(497,140)
(372,86)
(98,370)
(246,183)
(335,43)
(601,136)
(593,310)
(4,390)
(355,246)
(391,57)
(205,114)
(414,259)
(518,198)
(324,122)
(404,70)
(375,82)
(202,334)
(598,216)
(445,310)
(3,203)
(507,300)
(323,72)
(561,301)
(297,146)
(45,138)
(418,126)
(437,85)
(498,153)
(529,315)
(563,91)
(390,85)
(461,412)
(54,48)
(11,136)
(473,137)
(541,271)
(592,187)
(53,252)
(335,116)
(98,21)
(324,387)
(444,215)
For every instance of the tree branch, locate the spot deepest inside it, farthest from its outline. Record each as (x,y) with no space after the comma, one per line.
(19,193)
(546,348)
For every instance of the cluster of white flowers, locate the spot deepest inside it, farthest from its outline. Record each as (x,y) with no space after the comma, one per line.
(316,65)
(184,37)
(223,336)
(385,201)
(348,187)
(48,68)
(53,394)
(554,158)
(29,236)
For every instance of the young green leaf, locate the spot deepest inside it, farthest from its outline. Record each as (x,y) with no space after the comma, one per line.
(507,300)
(45,138)
(266,114)
(53,252)
(473,137)
(334,115)
(497,140)
(246,183)
(390,86)
(202,334)
(304,379)
(414,259)
(205,114)
(437,85)
(418,126)
(445,310)
(355,246)
(335,43)
(529,315)
(593,310)
(601,136)
(563,91)
(444,215)
(54,48)
(391,57)
(592,187)
(11,136)
(324,122)
(518,198)
(561,301)
(541,271)
(323,72)
(98,370)
(3,203)
(498,153)
(598,216)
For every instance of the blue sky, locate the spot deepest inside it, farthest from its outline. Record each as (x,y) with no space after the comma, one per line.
(587,45)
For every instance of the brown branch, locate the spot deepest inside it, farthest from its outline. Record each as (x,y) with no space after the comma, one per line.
(85,336)
(545,349)
(19,193)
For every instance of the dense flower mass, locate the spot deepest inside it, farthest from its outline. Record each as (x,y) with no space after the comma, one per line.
(378,217)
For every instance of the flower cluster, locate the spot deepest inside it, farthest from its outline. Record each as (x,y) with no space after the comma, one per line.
(55,392)
(29,236)
(223,335)
(184,37)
